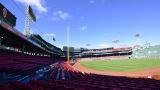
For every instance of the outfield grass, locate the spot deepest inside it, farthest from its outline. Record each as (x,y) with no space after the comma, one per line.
(122,64)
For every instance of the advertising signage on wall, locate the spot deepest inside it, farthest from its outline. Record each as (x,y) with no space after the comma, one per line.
(7,16)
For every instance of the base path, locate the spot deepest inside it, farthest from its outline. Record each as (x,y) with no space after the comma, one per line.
(151,73)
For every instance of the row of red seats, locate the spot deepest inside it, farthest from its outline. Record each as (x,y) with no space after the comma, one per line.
(75,80)
(82,85)
(12,62)
(109,82)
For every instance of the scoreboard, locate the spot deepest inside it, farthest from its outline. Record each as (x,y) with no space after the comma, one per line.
(7,16)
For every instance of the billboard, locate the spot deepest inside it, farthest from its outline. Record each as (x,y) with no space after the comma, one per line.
(7,16)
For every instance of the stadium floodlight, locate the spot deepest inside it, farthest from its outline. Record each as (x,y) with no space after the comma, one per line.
(30,17)
(137,46)
(88,45)
(137,36)
(115,42)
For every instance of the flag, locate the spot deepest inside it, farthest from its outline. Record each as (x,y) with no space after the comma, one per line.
(31,14)
(54,39)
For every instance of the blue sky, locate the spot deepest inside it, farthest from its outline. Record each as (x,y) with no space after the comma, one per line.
(94,22)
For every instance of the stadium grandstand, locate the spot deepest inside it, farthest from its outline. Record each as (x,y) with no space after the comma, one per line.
(147,51)
(107,52)
(31,63)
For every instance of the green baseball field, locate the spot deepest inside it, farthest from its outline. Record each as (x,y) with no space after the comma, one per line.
(124,65)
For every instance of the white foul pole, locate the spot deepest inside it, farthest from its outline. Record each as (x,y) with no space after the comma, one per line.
(68,45)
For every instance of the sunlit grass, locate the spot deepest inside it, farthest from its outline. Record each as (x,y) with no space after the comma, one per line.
(122,64)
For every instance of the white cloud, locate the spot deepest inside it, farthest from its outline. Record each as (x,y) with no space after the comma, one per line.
(49,35)
(60,15)
(103,45)
(37,3)
(83,28)
(55,19)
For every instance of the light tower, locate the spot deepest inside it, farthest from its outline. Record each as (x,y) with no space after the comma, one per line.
(27,22)
(137,47)
(137,36)
(30,17)
(115,42)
